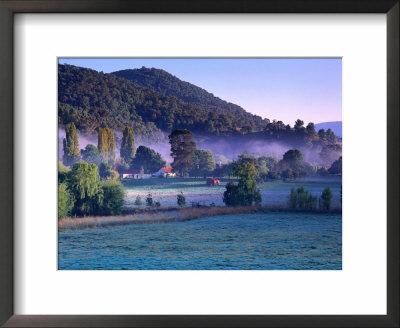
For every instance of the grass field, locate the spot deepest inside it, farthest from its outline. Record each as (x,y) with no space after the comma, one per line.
(195,190)
(259,241)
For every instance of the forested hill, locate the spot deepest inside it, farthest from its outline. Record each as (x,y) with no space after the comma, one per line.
(169,85)
(92,99)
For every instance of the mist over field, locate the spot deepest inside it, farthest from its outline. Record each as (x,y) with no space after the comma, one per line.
(162,147)
(231,148)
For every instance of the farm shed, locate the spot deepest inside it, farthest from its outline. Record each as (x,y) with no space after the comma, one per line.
(213,182)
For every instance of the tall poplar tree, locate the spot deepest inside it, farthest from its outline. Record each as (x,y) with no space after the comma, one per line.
(111,146)
(182,150)
(102,144)
(128,149)
(71,145)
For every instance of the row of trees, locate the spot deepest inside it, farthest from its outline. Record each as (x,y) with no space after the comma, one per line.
(106,147)
(142,158)
(299,134)
(180,200)
(187,159)
(290,167)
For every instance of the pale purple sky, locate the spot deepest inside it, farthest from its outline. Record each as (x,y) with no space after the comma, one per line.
(276,88)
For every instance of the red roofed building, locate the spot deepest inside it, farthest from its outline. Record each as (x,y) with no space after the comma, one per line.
(165,172)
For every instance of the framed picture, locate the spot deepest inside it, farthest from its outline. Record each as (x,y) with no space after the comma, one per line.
(220,164)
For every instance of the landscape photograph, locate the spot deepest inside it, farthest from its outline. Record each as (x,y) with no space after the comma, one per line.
(199,163)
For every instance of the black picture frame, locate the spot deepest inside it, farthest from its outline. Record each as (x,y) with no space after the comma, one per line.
(10,7)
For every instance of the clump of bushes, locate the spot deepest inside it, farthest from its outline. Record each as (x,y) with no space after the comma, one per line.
(301,199)
(81,192)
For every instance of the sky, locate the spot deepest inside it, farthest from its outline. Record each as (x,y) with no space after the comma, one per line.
(275,88)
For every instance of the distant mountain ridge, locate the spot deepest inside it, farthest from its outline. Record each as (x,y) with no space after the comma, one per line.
(335,126)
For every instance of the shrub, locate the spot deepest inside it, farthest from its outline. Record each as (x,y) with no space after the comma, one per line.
(65,201)
(113,198)
(230,194)
(138,201)
(149,200)
(107,173)
(325,200)
(181,200)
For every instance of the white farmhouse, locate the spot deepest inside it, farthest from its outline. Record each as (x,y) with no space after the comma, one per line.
(134,174)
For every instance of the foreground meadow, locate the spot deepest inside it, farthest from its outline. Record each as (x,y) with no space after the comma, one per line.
(259,241)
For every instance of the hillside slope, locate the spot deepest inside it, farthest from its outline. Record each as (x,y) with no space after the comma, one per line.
(169,85)
(91,99)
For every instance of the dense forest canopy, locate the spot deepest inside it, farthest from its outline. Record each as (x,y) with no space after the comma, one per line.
(169,85)
(93,99)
